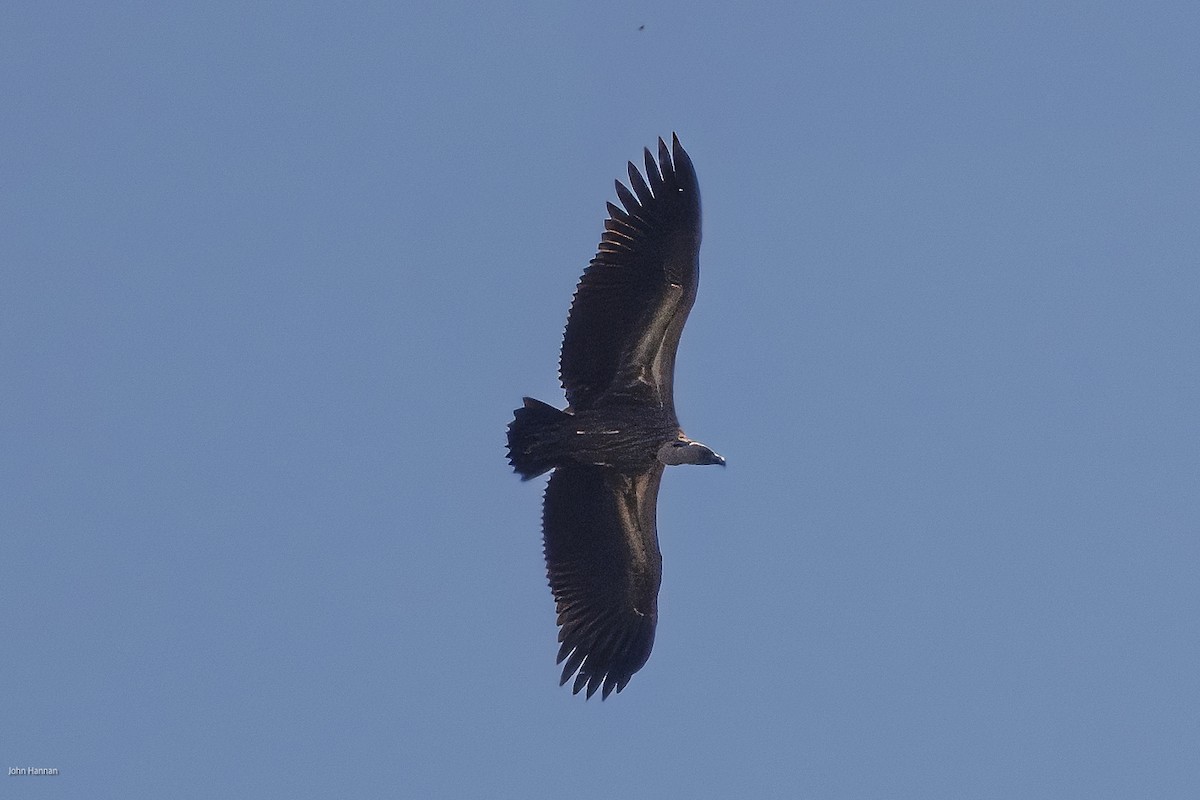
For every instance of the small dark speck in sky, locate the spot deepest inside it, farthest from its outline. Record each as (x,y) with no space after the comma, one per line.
(641,27)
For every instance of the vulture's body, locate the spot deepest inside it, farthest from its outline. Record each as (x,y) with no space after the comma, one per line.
(609,447)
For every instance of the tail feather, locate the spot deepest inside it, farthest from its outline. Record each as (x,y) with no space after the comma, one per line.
(531,443)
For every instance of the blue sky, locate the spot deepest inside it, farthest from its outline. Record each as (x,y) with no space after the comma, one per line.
(275,276)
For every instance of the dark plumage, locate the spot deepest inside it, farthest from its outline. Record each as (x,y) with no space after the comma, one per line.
(609,446)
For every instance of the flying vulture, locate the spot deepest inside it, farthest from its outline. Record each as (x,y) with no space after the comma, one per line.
(609,446)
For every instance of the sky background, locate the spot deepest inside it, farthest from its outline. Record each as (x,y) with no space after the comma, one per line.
(273,277)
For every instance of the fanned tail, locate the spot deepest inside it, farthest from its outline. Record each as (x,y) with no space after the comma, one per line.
(532,441)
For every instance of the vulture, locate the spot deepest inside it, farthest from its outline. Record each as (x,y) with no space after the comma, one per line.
(607,449)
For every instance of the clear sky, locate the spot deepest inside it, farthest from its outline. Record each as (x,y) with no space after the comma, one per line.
(273,277)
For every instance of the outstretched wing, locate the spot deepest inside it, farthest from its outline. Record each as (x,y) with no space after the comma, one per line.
(604,566)
(635,295)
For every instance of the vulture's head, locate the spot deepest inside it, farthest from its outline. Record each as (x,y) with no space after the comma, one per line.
(685,451)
